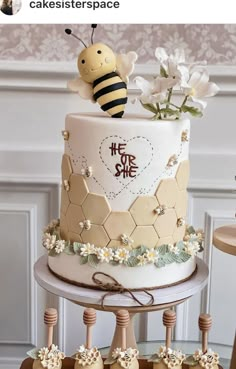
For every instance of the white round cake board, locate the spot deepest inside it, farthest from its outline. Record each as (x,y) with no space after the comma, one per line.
(86,296)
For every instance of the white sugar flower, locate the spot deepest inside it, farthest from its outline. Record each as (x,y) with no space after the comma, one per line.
(60,246)
(126,240)
(121,255)
(191,248)
(142,260)
(199,87)
(49,241)
(43,353)
(173,248)
(116,352)
(152,255)
(87,249)
(173,64)
(154,91)
(105,254)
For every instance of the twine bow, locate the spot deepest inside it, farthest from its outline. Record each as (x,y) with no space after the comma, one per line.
(114,287)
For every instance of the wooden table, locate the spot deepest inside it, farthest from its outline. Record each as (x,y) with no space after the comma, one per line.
(224,239)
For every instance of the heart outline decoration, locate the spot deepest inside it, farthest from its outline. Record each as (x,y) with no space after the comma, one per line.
(146,165)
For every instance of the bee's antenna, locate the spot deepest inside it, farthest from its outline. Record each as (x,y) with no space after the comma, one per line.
(93,26)
(68,31)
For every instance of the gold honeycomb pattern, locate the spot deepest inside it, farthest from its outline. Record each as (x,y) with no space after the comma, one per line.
(141,223)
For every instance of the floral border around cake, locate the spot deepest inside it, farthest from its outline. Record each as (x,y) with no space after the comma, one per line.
(160,256)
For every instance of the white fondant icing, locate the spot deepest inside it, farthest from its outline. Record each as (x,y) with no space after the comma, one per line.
(152,143)
(68,266)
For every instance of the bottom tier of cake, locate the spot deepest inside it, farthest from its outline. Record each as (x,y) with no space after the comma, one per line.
(70,269)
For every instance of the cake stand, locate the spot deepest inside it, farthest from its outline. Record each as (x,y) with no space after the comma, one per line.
(163,297)
(224,239)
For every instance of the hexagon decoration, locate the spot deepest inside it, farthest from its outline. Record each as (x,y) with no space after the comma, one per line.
(143,210)
(182,174)
(74,216)
(96,208)
(65,202)
(165,241)
(66,168)
(179,233)
(78,189)
(166,224)
(63,227)
(181,204)
(167,192)
(95,235)
(74,237)
(118,223)
(144,235)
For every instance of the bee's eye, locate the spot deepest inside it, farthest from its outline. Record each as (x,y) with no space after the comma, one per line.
(83,61)
(99,52)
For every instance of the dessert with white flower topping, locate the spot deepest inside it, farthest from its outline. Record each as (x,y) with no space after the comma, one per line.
(124,186)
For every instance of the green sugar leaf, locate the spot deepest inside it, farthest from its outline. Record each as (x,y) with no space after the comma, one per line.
(77,247)
(93,260)
(160,263)
(83,259)
(195,112)
(132,261)
(53,253)
(69,250)
(190,361)
(33,353)
(163,72)
(162,250)
(149,107)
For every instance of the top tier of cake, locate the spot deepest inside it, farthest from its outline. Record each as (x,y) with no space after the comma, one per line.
(125,177)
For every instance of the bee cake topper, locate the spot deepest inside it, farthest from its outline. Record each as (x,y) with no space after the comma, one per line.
(103,75)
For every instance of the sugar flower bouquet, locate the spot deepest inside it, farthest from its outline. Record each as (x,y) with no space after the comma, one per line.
(188,81)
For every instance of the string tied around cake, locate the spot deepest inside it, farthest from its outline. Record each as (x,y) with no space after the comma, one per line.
(113,287)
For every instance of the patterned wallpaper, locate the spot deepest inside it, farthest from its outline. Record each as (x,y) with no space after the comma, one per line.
(214,43)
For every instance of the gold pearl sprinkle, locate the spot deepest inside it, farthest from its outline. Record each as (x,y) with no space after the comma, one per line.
(66,185)
(65,135)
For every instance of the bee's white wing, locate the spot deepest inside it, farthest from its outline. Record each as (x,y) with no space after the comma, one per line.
(84,89)
(125,64)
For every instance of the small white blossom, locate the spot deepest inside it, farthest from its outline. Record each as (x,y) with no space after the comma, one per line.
(142,260)
(154,91)
(174,64)
(173,248)
(60,246)
(121,255)
(152,255)
(43,353)
(199,87)
(191,248)
(49,241)
(105,254)
(87,249)
(126,240)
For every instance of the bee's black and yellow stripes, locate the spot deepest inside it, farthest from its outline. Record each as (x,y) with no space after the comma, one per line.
(111,94)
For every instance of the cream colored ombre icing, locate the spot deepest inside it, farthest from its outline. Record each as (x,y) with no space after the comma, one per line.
(96,61)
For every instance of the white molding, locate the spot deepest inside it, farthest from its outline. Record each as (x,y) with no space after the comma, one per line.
(53,76)
(31,211)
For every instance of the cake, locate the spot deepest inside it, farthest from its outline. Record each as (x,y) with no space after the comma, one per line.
(124,202)
(124,181)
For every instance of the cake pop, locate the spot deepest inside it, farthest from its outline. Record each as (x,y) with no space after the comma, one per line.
(123,357)
(88,356)
(49,357)
(166,357)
